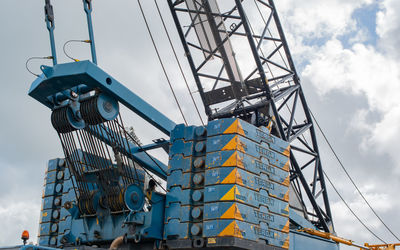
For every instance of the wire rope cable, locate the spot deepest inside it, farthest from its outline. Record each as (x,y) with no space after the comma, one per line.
(351,210)
(148,155)
(350,178)
(35,58)
(160,60)
(338,159)
(177,60)
(70,41)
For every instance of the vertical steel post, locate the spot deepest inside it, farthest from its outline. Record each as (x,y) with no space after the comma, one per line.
(49,17)
(87,4)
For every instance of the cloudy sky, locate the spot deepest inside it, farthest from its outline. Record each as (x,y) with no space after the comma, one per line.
(346,52)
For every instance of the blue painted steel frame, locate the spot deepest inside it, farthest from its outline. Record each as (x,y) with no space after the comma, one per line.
(66,76)
(49,18)
(137,154)
(56,81)
(87,5)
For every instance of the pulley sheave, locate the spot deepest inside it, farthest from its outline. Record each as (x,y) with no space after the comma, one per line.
(99,109)
(64,120)
(134,197)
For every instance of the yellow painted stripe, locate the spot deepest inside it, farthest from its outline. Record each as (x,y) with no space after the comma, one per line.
(286,167)
(234,144)
(286,182)
(286,152)
(286,227)
(286,244)
(230,195)
(232,213)
(231,230)
(231,177)
(235,128)
(286,197)
(269,126)
(232,160)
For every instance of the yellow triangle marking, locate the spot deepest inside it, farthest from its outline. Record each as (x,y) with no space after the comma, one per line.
(231,145)
(231,177)
(286,244)
(232,160)
(240,145)
(237,191)
(232,213)
(287,151)
(231,230)
(286,197)
(286,167)
(286,182)
(286,227)
(234,144)
(235,128)
(230,195)
(287,209)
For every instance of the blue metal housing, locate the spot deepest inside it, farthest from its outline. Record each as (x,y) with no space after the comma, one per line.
(55,81)
(58,84)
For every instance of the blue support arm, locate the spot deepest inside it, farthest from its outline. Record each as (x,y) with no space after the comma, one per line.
(135,153)
(67,76)
(87,5)
(49,17)
(81,77)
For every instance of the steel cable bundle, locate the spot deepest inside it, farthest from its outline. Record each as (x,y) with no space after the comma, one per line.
(96,166)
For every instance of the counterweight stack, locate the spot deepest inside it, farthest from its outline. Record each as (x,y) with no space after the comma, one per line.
(218,197)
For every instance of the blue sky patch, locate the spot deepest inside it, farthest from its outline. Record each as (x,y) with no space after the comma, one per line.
(366,20)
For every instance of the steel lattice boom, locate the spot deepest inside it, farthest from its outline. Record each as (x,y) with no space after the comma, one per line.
(260,87)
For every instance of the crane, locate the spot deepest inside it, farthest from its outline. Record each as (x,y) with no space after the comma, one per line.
(251,178)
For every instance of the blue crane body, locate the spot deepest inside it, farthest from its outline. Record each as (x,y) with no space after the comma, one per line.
(233,183)
(205,164)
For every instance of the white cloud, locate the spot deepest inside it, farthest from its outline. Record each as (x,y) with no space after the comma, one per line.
(350,226)
(363,70)
(315,19)
(361,36)
(372,73)
(388,27)
(360,70)
(16,217)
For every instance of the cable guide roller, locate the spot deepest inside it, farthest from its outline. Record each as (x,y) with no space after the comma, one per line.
(90,111)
